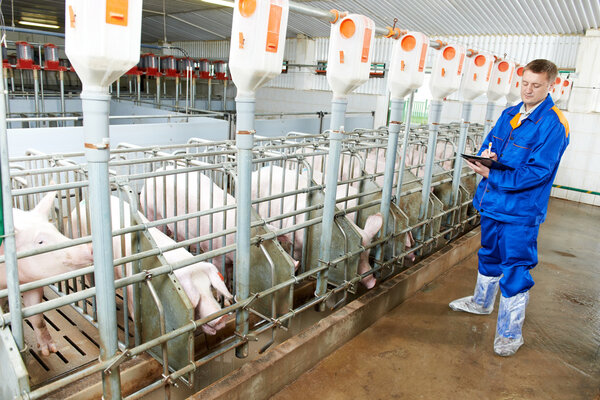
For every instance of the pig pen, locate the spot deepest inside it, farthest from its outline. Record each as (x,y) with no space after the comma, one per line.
(283,271)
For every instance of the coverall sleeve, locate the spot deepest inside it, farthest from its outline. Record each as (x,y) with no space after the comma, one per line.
(539,166)
(490,136)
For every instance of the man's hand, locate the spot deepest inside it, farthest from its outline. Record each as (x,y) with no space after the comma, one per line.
(478,167)
(490,154)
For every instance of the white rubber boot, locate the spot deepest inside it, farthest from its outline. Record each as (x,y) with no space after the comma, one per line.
(511,315)
(482,301)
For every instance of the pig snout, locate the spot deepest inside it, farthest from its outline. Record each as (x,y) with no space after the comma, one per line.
(80,255)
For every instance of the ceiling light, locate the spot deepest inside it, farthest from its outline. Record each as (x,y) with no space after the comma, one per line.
(39,24)
(223,3)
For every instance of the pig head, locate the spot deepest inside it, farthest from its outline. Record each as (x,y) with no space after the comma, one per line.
(34,231)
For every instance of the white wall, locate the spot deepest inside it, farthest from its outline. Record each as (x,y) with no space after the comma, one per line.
(580,166)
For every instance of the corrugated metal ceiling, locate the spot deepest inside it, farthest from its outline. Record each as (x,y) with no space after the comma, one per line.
(197,20)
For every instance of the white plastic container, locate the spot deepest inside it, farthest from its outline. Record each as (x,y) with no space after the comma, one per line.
(102,39)
(349,59)
(258,35)
(476,79)
(514,94)
(447,71)
(407,67)
(556,91)
(565,93)
(500,80)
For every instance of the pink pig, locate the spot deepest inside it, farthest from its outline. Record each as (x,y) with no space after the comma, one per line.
(34,231)
(269,180)
(196,279)
(188,188)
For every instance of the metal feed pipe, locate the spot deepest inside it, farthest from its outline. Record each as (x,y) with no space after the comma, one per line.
(244,142)
(436,114)
(338,110)
(460,148)
(96,106)
(390,164)
(404,147)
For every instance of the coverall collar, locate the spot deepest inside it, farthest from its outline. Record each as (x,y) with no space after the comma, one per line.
(537,112)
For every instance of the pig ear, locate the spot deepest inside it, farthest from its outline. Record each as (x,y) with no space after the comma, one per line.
(373,225)
(217,281)
(45,205)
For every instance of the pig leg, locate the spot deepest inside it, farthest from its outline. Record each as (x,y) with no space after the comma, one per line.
(372,226)
(44,341)
(409,242)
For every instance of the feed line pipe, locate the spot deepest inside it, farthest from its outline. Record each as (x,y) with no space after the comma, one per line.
(390,163)
(338,115)
(333,15)
(436,115)
(96,105)
(460,148)
(404,147)
(244,142)
(489,114)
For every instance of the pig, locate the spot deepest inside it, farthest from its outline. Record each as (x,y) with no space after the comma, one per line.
(196,279)
(34,231)
(374,163)
(269,180)
(196,186)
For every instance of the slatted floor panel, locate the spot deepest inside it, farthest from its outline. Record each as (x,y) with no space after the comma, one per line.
(77,341)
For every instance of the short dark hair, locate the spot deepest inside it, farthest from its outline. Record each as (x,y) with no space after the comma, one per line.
(541,65)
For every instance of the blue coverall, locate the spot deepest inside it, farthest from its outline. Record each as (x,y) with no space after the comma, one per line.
(513,203)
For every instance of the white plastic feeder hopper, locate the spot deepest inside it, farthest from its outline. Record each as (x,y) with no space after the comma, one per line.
(500,80)
(514,94)
(566,92)
(348,66)
(476,79)
(447,71)
(556,91)
(407,66)
(257,43)
(102,41)
(349,59)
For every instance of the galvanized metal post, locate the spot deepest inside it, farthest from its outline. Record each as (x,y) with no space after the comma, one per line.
(225,95)
(118,87)
(208,106)
(10,253)
(43,106)
(139,88)
(434,125)
(96,105)
(460,148)
(36,95)
(177,92)
(244,143)
(158,90)
(489,114)
(404,146)
(338,114)
(390,164)
(6,99)
(193,93)
(61,78)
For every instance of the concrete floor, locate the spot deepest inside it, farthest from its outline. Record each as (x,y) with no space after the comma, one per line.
(423,350)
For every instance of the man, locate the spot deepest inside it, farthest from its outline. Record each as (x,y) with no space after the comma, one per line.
(531,138)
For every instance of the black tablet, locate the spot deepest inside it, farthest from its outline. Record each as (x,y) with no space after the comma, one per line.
(488,162)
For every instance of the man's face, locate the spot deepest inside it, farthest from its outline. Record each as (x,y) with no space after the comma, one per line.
(534,88)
